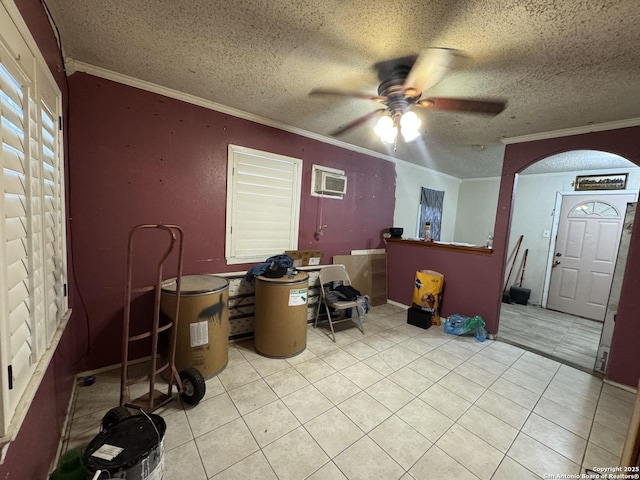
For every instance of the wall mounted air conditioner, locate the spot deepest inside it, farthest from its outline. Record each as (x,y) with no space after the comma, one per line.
(327,183)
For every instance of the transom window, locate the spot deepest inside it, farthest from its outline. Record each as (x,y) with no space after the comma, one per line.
(594,208)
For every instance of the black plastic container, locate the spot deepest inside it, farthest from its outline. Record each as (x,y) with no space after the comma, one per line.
(520,295)
(419,317)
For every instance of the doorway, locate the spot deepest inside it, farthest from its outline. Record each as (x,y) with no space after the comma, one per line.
(566,337)
(581,264)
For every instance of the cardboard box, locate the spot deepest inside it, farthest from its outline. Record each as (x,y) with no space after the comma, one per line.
(303,258)
(419,317)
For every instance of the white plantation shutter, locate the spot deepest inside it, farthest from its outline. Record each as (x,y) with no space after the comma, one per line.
(53,216)
(16,175)
(263,204)
(32,242)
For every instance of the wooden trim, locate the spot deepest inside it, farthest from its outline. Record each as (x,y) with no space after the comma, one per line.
(631,452)
(443,246)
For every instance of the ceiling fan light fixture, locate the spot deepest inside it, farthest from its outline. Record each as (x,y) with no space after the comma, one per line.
(386,129)
(410,126)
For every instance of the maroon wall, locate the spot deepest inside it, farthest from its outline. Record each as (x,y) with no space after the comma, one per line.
(138,157)
(468,278)
(474,283)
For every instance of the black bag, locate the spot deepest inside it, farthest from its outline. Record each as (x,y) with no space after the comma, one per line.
(348,292)
(275,270)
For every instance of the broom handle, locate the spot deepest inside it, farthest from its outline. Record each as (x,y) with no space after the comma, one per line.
(514,262)
(524,264)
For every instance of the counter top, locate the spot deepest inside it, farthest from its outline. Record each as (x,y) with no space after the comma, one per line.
(443,246)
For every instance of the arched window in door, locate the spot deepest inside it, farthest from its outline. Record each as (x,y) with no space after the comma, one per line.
(594,208)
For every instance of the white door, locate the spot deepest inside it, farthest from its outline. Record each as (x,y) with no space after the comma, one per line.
(586,249)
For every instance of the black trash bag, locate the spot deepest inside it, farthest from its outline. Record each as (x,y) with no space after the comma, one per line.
(347,292)
(275,270)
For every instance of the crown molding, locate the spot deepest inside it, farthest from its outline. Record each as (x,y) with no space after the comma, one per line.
(73,66)
(566,132)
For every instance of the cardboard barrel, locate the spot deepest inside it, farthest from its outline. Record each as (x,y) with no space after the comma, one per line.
(281,315)
(202,335)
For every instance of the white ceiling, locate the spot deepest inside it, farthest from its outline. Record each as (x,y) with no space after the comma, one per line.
(559,63)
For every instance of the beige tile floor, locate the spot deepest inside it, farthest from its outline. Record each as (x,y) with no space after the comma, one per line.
(396,403)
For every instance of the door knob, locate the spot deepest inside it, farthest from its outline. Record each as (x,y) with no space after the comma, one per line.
(557,262)
(558,254)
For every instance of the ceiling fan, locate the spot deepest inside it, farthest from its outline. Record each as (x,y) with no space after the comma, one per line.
(402,83)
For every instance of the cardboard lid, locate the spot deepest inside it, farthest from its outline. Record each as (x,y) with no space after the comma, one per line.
(299,277)
(196,284)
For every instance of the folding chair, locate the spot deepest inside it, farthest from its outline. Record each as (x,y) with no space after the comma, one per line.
(329,278)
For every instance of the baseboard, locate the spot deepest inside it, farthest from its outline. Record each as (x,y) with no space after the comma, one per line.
(397,304)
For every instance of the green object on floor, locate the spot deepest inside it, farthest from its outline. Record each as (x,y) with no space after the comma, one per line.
(71,466)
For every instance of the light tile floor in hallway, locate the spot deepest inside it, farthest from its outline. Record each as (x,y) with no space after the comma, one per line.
(396,403)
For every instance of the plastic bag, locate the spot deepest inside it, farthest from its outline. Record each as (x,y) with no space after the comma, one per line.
(458,324)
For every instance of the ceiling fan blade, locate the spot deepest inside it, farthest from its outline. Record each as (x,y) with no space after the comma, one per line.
(357,122)
(347,93)
(429,68)
(486,107)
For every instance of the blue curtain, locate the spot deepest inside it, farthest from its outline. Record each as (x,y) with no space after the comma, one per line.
(431,202)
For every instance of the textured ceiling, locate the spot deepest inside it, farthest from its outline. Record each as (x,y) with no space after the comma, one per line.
(559,63)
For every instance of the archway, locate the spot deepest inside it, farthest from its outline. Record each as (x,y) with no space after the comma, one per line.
(564,335)
(622,367)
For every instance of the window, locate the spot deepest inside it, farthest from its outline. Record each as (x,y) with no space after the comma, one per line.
(430,210)
(600,209)
(263,204)
(32,240)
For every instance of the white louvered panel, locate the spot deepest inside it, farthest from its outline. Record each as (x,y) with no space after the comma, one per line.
(12,135)
(15,250)
(21,363)
(48,173)
(48,189)
(16,228)
(14,183)
(48,148)
(11,112)
(10,87)
(49,248)
(51,207)
(20,331)
(18,316)
(52,214)
(14,206)
(53,304)
(261,166)
(20,336)
(13,159)
(38,319)
(17,295)
(263,207)
(17,272)
(22,370)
